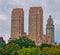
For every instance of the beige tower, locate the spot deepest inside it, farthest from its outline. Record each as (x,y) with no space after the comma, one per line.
(50,28)
(17,23)
(36,23)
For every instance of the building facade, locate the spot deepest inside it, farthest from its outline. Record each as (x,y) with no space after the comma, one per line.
(35,26)
(2,40)
(36,23)
(50,28)
(17,23)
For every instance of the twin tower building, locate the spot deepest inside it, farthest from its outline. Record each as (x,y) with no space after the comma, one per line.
(35,26)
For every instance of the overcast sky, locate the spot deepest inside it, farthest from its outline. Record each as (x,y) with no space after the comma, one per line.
(50,7)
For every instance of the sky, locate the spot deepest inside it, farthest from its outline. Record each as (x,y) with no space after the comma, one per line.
(50,7)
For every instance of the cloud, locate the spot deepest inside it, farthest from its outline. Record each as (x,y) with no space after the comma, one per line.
(3,17)
(16,1)
(57,21)
(57,24)
(6,37)
(5,34)
(0,1)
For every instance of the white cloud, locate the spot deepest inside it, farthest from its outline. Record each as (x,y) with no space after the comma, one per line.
(16,1)
(0,0)
(6,37)
(57,24)
(57,21)
(4,34)
(3,17)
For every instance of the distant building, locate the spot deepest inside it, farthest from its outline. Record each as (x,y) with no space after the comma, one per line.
(35,26)
(36,23)
(50,28)
(46,39)
(17,23)
(1,40)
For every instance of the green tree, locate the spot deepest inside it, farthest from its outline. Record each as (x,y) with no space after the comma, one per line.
(14,53)
(2,45)
(54,50)
(2,51)
(45,45)
(29,51)
(11,47)
(23,41)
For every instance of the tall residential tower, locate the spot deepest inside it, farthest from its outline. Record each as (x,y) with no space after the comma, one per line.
(17,23)
(36,23)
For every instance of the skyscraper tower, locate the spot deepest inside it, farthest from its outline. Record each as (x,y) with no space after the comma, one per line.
(17,23)
(36,23)
(50,28)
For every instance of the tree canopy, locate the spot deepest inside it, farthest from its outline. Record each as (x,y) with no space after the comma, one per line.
(25,46)
(23,41)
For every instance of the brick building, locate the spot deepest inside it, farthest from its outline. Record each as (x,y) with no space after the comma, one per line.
(36,23)
(35,26)
(17,23)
